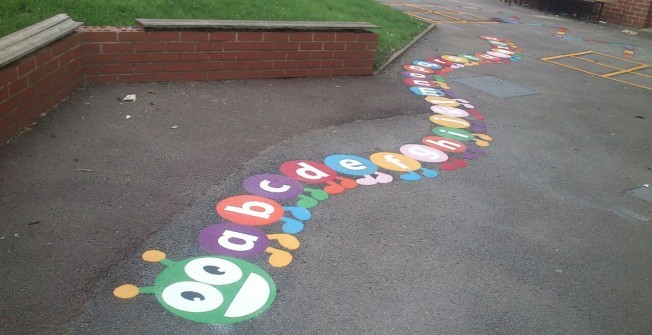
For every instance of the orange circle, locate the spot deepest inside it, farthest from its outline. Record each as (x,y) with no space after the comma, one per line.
(395,162)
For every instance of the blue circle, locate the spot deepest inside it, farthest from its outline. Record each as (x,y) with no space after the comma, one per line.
(333,162)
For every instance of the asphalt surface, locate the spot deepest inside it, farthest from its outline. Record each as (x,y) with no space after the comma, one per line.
(536,237)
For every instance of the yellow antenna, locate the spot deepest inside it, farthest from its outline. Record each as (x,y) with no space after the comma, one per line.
(126,291)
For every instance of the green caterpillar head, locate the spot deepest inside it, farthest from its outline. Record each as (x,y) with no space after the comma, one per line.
(210,289)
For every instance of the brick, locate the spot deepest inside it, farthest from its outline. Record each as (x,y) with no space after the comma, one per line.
(267,74)
(210,46)
(179,67)
(303,36)
(323,37)
(298,55)
(4,94)
(258,65)
(221,75)
(180,46)
(236,46)
(276,37)
(285,64)
(368,37)
(223,36)
(26,66)
(182,76)
(128,36)
(119,47)
(334,45)
(354,54)
(262,46)
(149,67)
(171,36)
(133,78)
(249,55)
(321,54)
(64,44)
(100,59)
(296,73)
(319,73)
(8,75)
(346,37)
(41,57)
(250,74)
(133,57)
(308,64)
(18,85)
(92,48)
(101,79)
(150,46)
(91,69)
(100,36)
(359,71)
(66,57)
(163,57)
(228,56)
(289,46)
(193,56)
(117,68)
(311,46)
(358,63)
(235,65)
(247,36)
(274,55)
(331,63)
(356,46)
(197,36)
(208,66)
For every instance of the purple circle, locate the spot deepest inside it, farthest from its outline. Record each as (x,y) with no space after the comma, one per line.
(234,240)
(273,186)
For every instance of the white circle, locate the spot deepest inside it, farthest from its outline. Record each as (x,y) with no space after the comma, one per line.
(450,111)
(424,153)
(194,297)
(498,54)
(213,271)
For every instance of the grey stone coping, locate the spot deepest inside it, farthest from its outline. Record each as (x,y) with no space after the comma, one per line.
(166,24)
(34,37)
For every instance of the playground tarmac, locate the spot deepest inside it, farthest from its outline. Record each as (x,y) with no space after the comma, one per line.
(538,236)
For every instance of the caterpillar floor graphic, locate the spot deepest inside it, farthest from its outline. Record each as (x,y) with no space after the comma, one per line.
(221,288)
(606,66)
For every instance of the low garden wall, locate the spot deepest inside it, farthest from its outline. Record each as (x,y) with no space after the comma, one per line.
(175,50)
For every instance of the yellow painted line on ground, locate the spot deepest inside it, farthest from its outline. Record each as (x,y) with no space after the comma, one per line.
(631,70)
(566,55)
(640,67)
(443,12)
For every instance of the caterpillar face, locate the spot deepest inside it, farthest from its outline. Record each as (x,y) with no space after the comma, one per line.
(210,289)
(220,289)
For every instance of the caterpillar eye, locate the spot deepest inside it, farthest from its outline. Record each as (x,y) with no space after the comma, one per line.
(213,271)
(192,297)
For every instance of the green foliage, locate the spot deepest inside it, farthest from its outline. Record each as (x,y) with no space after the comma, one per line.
(396,30)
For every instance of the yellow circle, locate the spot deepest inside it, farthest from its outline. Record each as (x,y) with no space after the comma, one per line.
(455,59)
(153,256)
(395,162)
(126,291)
(441,101)
(449,121)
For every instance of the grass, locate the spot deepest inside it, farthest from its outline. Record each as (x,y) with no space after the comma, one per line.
(397,29)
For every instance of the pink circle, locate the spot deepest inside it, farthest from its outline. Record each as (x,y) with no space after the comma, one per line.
(424,153)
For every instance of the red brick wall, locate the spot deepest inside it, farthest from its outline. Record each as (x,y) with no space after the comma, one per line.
(39,81)
(36,83)
(130,55)
(629,13)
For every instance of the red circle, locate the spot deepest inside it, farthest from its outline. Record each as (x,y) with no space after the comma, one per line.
(249,210)
(308,171)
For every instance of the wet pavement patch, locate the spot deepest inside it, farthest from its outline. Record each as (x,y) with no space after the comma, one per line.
(644,193)
(496,87)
